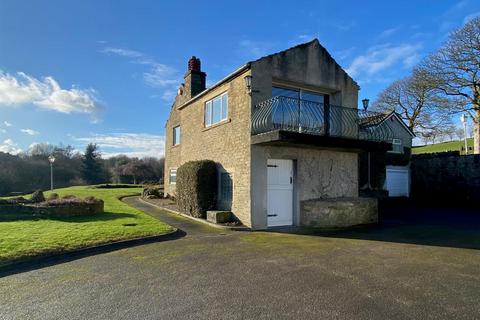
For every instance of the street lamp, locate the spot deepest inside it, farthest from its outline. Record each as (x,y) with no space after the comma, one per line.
(365,103)
(51,159)
(463,118)
(248,83)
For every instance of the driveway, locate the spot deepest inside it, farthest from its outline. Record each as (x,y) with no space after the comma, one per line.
(386,272)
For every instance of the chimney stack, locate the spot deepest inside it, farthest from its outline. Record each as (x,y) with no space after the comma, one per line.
(194,78)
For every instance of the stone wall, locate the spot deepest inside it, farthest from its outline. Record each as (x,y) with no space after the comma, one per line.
(446,178)
(318,174)
(338,212)
(60,210)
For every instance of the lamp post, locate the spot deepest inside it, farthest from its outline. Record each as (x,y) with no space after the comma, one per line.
(51,159)
(463,118)
(365,103)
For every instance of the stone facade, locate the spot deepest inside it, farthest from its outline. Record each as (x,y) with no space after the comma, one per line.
(320,173)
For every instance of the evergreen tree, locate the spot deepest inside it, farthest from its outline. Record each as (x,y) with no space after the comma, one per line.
(92,170)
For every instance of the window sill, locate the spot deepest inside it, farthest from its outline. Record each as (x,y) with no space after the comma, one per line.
(217,124)
(176,145)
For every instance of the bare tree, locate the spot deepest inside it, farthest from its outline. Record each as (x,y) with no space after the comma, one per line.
(422,106)
(455,70)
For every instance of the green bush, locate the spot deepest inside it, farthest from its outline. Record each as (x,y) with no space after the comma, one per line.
(37,196)
(197,187)
(52,196)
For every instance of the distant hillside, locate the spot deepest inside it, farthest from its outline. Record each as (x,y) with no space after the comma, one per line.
(444,146)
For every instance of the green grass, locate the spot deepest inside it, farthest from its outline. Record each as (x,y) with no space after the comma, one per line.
(443,147)
(24,238)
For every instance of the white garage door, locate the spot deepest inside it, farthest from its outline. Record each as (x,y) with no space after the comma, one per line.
(398,181)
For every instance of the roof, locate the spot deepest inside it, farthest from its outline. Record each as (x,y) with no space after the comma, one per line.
(377,119)
(247,65)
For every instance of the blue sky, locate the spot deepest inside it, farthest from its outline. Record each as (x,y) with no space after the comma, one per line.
(107,71)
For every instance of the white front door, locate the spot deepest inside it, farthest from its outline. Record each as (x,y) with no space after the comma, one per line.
(279,192)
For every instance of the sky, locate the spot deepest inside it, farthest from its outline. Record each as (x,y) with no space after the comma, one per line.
(75,72)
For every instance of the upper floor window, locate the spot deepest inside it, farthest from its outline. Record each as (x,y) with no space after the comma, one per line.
(216,110)
(298,94)
(397,146)
(176,135)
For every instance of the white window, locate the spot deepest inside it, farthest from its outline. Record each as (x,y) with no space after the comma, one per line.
(397,146)
(176,135)
(216,110)
(173,176)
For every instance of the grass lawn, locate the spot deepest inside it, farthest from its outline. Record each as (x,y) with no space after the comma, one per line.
(24,238)
(443,147)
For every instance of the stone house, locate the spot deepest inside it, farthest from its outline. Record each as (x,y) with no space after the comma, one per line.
(286,134)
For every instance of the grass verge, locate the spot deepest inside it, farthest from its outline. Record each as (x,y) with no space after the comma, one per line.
(22,238)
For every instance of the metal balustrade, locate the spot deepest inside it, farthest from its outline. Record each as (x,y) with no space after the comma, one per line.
(303,116)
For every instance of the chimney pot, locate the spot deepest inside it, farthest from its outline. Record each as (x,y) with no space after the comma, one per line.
(194,64)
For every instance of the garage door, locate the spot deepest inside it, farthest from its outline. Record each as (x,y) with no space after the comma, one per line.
(398,181)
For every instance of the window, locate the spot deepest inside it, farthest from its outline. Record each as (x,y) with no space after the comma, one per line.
(226,188)
(173,176)
(176,135)
(216,110)
(397,146)
(298,94)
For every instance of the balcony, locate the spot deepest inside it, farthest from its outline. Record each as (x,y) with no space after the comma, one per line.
(284,119)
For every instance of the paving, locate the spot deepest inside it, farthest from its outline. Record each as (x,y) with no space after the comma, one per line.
(397,270)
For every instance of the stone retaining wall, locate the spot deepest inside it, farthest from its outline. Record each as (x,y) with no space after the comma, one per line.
(338,212)
(63,210)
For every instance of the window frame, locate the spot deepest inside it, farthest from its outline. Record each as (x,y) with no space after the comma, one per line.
(208,110)
(174,137)
(172,172)
(397,142)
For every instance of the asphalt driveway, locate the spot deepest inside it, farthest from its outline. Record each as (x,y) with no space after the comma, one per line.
(387,272)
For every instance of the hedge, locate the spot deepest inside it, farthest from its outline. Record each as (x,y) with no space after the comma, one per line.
(197,187)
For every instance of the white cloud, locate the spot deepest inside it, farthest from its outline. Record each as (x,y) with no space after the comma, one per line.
(8,146)
(255,49)
(381,57)
(7,124)
(387,33)
(46,93)
(158,75)
(3,130)
(130,144)
(470,17)
(30,132)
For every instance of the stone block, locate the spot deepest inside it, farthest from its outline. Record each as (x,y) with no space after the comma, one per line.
(216,216)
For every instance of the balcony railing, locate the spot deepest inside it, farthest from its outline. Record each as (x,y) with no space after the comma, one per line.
(302,116)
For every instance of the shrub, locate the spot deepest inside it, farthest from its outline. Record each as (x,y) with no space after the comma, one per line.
(152,192)
(37,196)
(68,196)
(197,187)
(52,196)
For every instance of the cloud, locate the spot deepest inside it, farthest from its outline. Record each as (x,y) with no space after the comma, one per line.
(387,33)
(255,49)
(130,144)
(8,146)
(7,124)
(158,75)
(30,132)
(470,17)
(46,93)
(3,130)
(381,57)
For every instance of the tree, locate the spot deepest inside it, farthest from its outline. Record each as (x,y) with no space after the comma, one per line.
(422,106)
(137,169)
(455,70)
(92,170)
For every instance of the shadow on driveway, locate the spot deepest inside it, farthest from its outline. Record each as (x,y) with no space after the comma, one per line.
(456,228)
